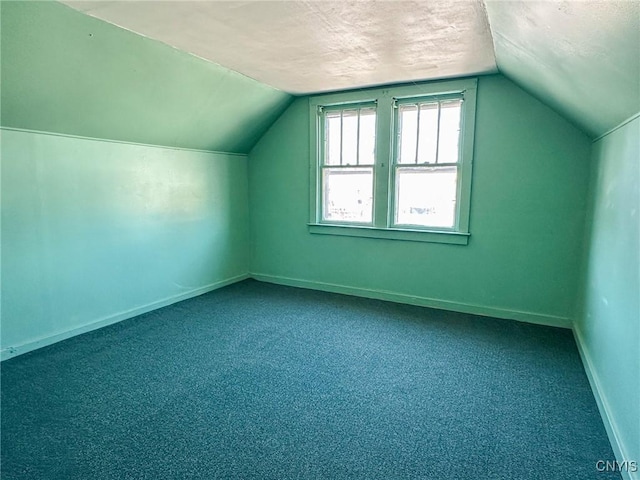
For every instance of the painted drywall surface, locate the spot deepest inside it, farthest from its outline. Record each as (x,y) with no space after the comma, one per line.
(581,58)
(527,215)
(609,325)
(65,72)
(91,229)
(304,47)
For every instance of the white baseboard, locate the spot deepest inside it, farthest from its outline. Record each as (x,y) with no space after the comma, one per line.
(617,445)
(529,317)
(13,351)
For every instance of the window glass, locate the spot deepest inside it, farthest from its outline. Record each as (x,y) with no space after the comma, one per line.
(350,137)
(367,136)
(428,141)
(449,138)
(407,133)
(426,196)
(348,194)
(333,125)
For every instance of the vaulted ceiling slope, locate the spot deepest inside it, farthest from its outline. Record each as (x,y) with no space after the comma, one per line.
(580,57)
(65,72)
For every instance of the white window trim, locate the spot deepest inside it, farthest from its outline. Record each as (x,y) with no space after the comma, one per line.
(385,99)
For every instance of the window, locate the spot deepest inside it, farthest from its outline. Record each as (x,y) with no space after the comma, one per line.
(348,159)
(394,162)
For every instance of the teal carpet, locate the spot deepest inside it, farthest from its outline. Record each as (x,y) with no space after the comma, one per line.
(257,381)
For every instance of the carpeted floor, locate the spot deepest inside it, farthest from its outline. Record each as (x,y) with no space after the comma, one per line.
(270,382)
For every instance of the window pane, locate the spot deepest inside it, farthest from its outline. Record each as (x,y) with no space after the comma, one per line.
(426,196)
(332,139)
(428,133)
(349,137)
(347,194)
(449,131)
(367,136)
(408,131)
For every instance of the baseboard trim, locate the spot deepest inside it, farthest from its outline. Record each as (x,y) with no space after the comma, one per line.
(13,351)
(485,311)
(617,445)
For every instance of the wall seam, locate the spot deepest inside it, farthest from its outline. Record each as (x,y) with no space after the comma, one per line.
(610,426)
(617,127)
(41,342)
(448,305)
(122,142)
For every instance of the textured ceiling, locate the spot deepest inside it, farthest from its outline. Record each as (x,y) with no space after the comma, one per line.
(315,46)
(581,58)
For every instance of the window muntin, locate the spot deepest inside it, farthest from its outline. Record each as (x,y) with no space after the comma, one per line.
(419,171)
(349,135)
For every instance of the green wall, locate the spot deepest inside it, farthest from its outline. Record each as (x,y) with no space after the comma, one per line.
(608,328)
(527,219)
(66,72)
(94,231)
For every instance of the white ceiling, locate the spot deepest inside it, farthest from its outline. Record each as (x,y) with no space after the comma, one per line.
(315,46)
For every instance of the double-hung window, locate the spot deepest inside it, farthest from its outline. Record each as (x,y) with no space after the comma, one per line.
(348,161)
(394,162)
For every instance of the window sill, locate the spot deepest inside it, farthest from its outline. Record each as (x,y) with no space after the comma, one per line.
(431,236)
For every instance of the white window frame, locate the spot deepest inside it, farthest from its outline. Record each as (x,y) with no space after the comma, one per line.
(386,101)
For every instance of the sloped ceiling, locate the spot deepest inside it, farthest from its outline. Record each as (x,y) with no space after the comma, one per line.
(580,57)
(315,46)
(65,72)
